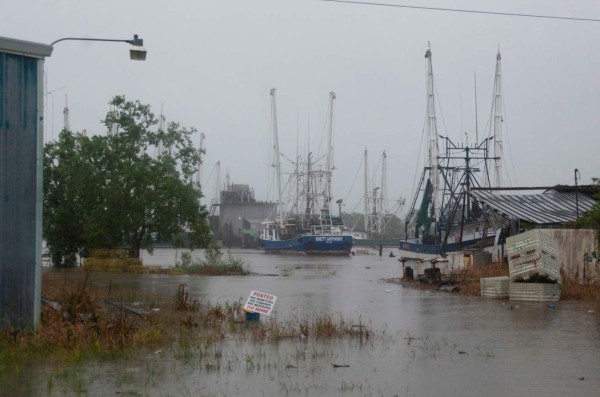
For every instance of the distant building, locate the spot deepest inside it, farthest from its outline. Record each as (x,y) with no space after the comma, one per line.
(240,216)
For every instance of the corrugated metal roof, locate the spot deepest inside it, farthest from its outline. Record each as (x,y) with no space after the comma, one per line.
(545,208)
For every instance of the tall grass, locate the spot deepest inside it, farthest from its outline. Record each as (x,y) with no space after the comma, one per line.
(469,278)
(573,290)
(213,264)
(79,326)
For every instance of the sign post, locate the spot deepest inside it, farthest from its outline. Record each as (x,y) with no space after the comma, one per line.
(260,302)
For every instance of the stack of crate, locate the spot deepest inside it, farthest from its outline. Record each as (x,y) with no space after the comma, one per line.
(532,258)
(532,254)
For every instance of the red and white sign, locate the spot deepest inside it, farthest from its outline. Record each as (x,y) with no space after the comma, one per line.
(260,302)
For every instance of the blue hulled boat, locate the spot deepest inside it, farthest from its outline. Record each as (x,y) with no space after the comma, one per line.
(310,245)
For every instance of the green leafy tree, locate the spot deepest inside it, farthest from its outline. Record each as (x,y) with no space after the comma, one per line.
(591,218)
(108,191)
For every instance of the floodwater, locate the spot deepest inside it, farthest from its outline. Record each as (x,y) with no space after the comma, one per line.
(425,343)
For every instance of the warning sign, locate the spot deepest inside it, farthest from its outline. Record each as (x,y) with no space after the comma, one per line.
(260,302)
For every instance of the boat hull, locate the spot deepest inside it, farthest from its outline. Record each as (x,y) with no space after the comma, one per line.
(310,245)
(376,242)
(413,249)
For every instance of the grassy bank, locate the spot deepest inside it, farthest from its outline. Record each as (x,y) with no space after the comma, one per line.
(213,264)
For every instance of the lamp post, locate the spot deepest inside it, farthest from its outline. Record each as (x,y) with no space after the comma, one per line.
(136,53)
(577,175)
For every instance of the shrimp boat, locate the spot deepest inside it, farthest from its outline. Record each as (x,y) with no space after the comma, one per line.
(307,227)
(448,219)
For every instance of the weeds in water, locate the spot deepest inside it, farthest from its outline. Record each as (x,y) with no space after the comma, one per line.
(183,301)
(572,289)
(79,327)
(213,264)
(469,278)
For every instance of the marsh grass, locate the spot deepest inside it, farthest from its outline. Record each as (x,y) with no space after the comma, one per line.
(469,278)
(213,264)
(573,290)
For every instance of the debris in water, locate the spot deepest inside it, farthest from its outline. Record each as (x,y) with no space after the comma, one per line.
(341,365)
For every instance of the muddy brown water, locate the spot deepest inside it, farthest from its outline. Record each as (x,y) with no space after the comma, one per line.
(427,344)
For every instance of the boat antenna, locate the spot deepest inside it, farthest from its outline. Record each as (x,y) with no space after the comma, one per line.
(366,192)
(330,166)
(433,136)
(476,118)
(497,131)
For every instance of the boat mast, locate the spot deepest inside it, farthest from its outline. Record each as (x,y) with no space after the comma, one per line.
(433,137)
(383,210)
(67,125)
(330,166)
(308,204)
(366,192)
(161,127)
(199,169)
(497,131)
(276,155)
(214,208)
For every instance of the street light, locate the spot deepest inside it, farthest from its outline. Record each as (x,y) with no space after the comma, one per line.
(137,52)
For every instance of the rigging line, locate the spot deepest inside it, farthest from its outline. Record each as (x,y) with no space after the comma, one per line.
(374,173)
(354,181)
(509,14)
(419,156)
(269,164)
(323,132)
(358,204)
(508,142)
(437,97)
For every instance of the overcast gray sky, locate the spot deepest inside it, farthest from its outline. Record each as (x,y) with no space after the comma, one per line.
(212,63)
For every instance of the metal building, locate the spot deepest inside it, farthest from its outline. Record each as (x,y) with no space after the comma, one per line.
(21,163)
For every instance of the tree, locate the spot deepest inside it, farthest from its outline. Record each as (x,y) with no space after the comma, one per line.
(108,191)
(591,218)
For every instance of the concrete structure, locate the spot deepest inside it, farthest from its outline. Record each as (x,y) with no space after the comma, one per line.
(239,212)
(576,250)
(21,164)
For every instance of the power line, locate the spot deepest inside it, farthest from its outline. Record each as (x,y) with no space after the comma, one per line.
(510,14)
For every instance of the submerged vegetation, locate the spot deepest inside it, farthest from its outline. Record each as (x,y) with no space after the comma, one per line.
(83,322)
(213,264)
